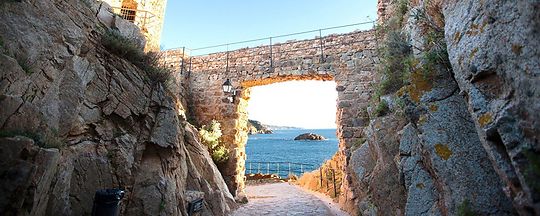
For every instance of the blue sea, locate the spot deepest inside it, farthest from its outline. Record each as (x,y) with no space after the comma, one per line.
(281,147)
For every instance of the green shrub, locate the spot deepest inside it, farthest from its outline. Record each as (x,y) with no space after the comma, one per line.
(47,139)
(155,70)
(358,143)
(382,108)
(396,54)
(435,53)
(532,172)
(464,209)
(25,63)
(220,154)
(21,59)
(210,135)
(4,2)
(123,47)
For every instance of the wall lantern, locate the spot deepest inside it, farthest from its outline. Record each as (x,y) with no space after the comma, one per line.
(227,86)
(229,91)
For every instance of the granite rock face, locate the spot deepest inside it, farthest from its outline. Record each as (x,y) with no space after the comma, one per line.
(109,125)
(493,47)
(468,137)
(375,171)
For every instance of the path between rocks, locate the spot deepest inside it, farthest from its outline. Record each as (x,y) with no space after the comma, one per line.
(285,199)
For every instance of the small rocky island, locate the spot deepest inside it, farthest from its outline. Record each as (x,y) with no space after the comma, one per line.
(309,136)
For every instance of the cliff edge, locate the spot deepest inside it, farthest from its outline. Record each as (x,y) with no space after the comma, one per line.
(77,117)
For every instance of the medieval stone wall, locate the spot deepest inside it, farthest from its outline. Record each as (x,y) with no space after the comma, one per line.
(347,59)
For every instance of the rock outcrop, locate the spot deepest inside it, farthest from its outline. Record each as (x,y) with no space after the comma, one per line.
(110,125)
(460,138)
(309,136)
(256,127)
(493,49)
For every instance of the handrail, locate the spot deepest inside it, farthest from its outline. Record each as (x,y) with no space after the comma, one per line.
(267,38)
(143,20)
(327,175)
(281,168)
(283,35)
(275,162)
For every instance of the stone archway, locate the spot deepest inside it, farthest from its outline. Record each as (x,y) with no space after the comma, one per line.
(348,59)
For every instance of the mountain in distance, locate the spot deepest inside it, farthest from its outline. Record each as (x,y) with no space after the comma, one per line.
(274,127)
(256,127)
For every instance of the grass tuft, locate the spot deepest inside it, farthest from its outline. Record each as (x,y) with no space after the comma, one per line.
(464,209)
(123,47)
(25,63)
(47,139)
(382,108)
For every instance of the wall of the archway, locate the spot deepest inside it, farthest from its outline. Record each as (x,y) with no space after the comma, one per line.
(348,59)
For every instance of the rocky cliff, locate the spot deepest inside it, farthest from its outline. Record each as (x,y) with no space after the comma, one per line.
(256,127)
(453,128)
(76,118)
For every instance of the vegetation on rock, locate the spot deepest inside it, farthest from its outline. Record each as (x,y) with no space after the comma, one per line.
(48,139)
(210,135)
(464,209)
(149,62)
(23,60)
(382,108)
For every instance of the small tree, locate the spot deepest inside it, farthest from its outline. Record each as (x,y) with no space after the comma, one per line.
(210,135)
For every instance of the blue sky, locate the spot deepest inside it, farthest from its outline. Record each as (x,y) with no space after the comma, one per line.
(201,23)
(307,104)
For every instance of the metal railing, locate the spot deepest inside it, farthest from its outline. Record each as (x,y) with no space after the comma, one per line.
(273,40)
(182,57)
(282,169)
(141,18)
(328,180)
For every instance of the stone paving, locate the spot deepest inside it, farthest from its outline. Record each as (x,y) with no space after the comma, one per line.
(284,199)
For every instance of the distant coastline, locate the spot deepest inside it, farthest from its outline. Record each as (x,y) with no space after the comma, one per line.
(274,127)
(257,127)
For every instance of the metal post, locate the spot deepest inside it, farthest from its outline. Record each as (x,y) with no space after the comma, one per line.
(182,63)
(227,67)
(271,59)
(327,180)
(144,20)
(321,44)
(289,168)
(320,175)
(267,168)
(190,58)
(250,170)
(334,177)
(190,65)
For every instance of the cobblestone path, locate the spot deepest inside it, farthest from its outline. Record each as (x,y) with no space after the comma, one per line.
(284,199)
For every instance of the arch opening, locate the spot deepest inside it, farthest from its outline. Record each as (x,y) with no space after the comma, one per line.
(290,109)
